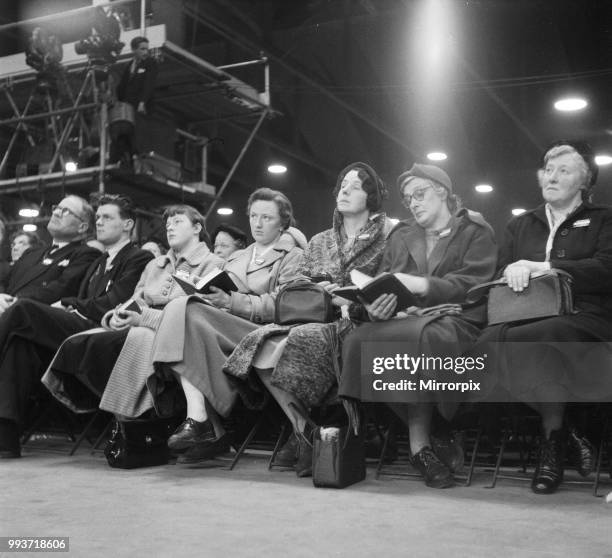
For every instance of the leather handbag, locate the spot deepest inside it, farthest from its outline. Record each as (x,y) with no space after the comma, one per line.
(135,444)
(338,458)
(301,302)
(548,294)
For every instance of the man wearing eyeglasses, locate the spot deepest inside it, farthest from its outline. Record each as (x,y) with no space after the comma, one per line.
(31,332)
(48,274)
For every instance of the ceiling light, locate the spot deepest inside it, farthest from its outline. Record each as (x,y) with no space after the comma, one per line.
(602,160)
(29,227)
(483,188)
(518,211)
(28,212)
(225,211)
(277,169)
(70,166)
(437,156)
(570,104)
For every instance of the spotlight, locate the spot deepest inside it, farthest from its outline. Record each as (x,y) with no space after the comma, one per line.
(437,156)
(28,212)
(570,104)
(483,188)
(225,211)
(70,166)
(277,169)
(29,227)
(518,211)
(603,160)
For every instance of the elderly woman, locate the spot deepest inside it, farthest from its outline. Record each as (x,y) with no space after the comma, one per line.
(227,239)
(438,255)
(21,241)
(194,339)
(299,369)
(569,233)
(80,371)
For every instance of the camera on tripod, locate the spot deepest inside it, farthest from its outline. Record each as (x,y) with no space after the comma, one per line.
(102,46)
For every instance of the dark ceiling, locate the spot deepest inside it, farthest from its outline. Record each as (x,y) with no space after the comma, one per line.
(387,81)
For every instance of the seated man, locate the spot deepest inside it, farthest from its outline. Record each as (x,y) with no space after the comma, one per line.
(30,332)
(48,274)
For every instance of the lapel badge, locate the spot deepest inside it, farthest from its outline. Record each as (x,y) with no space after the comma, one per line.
(444,233)
(581,223)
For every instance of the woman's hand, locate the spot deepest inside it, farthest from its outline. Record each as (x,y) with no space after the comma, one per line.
(218,298)
(336,300)
(382,308)
(517,274)
(123,319)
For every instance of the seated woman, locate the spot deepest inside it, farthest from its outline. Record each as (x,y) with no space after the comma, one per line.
(80,370)
(194,339)
(438,255)
(549,367)
(299,368)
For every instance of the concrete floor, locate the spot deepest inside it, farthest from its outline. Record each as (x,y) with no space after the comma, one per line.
(212,512)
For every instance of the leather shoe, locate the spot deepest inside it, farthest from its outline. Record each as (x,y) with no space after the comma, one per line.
(204,451)
(288,454)
(450,451)
(435,473)
(582,453)
(191,432)
(549,471)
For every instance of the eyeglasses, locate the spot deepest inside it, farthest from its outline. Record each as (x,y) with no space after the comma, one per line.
(417,195)
(65,210)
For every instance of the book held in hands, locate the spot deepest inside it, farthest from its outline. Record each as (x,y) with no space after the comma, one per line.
(201,285)
(370,288)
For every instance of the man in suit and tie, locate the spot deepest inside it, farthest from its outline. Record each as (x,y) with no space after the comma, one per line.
(31,332)
(48,274)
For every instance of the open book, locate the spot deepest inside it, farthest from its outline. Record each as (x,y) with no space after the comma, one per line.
(216,278)
(370,288)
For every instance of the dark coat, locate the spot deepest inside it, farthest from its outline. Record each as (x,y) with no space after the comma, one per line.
(582,246)
(139,86)
(115,287)
(5,269)
(48,278)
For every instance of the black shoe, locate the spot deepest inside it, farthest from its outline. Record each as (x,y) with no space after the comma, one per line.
(204,451)
(549,472)
(582,453)
(435,473)
(303,467)
(287,456)
(191,432)
(9,440)
(450,451)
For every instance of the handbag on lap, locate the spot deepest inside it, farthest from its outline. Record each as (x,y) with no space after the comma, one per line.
(302,302)
(548,294)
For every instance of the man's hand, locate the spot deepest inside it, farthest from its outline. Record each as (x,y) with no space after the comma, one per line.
(5,301)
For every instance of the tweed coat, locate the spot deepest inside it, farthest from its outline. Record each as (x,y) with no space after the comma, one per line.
(193,339)
(306,366)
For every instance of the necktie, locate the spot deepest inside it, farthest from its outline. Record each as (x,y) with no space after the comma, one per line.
(97,276)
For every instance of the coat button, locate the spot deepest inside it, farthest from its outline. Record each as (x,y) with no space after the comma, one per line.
(564,232)
(165,292)
(560,253)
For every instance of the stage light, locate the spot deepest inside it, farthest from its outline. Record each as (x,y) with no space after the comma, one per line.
(29,227)
(70,166)
(518,211)
(225,211)
(28,212)
(277,169)
(483,188)
(570,104)
(437,156)
(603,160)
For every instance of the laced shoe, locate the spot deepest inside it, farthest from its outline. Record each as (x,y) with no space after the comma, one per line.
(435,473)
(450,451)
(549,471)
(582,453)
(191,432)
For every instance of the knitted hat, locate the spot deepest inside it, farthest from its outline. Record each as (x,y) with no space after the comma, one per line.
(429,172)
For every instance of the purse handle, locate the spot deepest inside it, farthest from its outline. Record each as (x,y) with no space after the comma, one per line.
(480,291)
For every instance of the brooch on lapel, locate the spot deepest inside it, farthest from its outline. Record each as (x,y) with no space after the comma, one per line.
(364,236)
(63,263)
(581,223)
(47,261)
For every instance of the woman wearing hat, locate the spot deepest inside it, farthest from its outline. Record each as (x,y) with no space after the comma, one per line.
(569,233)
(438,254)
(299,368)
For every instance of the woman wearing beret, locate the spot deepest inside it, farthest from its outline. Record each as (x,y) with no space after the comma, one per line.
(438,254)
(558,359)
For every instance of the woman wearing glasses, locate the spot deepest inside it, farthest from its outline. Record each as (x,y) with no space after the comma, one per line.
(439,254)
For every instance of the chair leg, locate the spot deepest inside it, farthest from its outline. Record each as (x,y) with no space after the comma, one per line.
(84,434)
(279,441)
(500,456)
(470,474)
(390,432)
(602,445)
(101,436)
(246,442)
